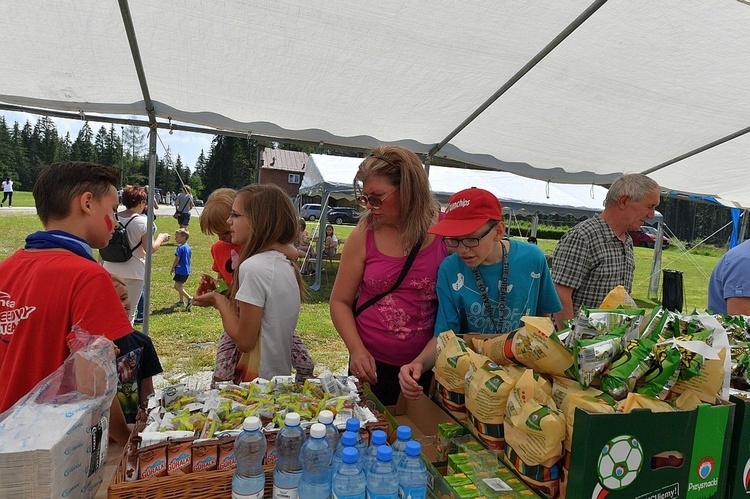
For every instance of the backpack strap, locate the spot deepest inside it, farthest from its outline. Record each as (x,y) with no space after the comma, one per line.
(126,232)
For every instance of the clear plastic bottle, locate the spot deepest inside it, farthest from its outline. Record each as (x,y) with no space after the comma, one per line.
(332,433)
(412,473)
(249,449)
(349,480)
(348,439)
(403,435)
(288,466)
(382,479)
(316,457)
(353,425)
(377,439)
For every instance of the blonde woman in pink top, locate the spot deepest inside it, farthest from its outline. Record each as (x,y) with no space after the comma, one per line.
(393,187)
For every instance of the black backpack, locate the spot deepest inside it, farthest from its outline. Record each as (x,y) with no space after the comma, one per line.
(118,250)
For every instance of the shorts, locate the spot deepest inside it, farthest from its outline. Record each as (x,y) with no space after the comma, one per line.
(180,277)
(184,218)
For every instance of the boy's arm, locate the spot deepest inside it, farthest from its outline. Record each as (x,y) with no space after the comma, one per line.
(174,264)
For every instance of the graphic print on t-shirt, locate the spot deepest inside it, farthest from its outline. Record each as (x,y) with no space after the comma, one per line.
(10,316)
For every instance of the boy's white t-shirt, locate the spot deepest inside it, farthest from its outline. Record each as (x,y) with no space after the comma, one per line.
(268,280)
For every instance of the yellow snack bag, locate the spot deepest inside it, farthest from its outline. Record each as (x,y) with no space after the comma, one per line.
(451,364)
(638,401)
(618,297)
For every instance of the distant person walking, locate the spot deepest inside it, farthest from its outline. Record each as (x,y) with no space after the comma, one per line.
(7,192)
(184,204)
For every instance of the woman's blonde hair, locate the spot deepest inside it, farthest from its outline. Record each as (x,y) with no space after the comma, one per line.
(403,169)
(214,217)
(272,219)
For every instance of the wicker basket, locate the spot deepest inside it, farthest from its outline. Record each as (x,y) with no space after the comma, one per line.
(204,484)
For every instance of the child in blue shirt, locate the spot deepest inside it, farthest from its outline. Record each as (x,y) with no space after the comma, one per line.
(181,267)
(488,283)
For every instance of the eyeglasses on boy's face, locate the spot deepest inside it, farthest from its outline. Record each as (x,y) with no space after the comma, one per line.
(375,202)
(468,242)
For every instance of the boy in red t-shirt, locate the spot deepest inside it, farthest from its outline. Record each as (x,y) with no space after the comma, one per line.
(54,282)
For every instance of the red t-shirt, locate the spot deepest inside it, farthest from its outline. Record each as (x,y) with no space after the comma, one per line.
(42,295)
(226,257)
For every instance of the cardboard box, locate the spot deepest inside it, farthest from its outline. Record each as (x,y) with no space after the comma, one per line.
(651,455)
(738,479)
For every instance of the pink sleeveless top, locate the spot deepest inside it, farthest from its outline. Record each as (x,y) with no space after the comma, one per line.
(396,328)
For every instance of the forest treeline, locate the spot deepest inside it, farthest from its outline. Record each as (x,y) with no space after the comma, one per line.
(231,162)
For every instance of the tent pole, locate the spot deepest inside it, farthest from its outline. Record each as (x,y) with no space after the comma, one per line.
(150,225)
(653,284)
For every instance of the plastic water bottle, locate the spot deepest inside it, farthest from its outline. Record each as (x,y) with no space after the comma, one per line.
(382,479)
(332,433)
(288,466)
(349,480)
(377,439)
(249,449)
(316,465)
(352,424)
(412,473)
(403,435)
(348,439)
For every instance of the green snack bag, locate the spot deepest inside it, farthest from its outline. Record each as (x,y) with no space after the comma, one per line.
(665,369)
(692,362)
(617,380)
(594,355)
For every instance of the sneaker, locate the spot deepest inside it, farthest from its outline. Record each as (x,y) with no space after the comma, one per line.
(138,321)
(189,304)
(179,304)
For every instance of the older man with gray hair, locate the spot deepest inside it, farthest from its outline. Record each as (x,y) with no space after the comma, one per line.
(596,255)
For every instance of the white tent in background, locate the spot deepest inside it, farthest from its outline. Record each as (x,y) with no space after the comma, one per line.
(328,176)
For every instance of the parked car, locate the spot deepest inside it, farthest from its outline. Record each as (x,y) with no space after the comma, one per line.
(646,237)
(340,216)
(310,212)
(198,202)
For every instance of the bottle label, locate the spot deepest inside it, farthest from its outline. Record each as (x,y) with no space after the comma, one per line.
(254,495)
(282,493)
(348,496)
(412,492)
(370,495)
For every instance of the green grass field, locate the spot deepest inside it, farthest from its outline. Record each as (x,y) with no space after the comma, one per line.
(185,341)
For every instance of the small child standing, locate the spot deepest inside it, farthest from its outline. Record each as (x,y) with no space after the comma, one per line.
(181,267)
(137,363)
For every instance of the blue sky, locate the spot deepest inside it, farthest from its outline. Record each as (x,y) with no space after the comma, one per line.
(188,145)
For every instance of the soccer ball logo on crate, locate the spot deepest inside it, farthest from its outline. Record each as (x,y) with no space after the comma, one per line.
(620,462)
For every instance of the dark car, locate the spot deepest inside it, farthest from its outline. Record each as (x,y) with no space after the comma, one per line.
(341,216)
(646,237)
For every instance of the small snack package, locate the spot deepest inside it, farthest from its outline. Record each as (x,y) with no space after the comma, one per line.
(451,364)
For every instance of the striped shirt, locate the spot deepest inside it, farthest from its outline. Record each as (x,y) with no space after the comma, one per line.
(592,260)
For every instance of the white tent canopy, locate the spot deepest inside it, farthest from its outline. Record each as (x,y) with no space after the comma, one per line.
(326,174)
(577,91)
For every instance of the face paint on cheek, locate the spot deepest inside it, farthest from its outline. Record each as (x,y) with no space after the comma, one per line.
(109,223)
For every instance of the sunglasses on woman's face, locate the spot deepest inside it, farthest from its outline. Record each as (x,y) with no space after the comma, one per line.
(375,202)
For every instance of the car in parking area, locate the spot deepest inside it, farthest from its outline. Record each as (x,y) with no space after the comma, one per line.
(310,212)
(646,237)
(340,216)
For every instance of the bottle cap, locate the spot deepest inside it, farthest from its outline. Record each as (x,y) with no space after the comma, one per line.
(413,448)
(349,439)
(291,419)
(325,417)
(251,423)
(352,424)
(350,455)
(318,430)
(385,453)
(403,432)
(378,437)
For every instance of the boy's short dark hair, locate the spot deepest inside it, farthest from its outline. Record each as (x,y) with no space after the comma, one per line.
(58,183)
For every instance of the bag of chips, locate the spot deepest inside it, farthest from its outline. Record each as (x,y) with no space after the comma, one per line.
(451,364)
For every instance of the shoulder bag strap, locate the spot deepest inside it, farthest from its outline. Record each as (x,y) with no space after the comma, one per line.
(126,231)
(401,277)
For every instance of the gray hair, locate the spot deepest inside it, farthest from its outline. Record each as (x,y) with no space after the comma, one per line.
(634,185)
